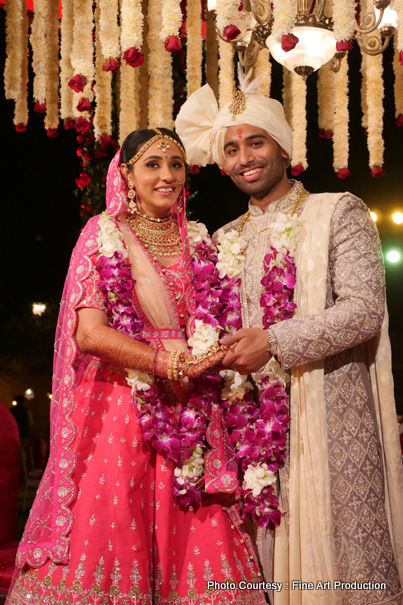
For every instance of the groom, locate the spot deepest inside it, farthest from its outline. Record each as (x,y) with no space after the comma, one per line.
(340,489)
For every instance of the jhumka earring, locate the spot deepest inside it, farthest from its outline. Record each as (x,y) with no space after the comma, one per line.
(132,200)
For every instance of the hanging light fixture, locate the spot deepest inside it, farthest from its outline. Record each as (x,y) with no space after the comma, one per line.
(314,29)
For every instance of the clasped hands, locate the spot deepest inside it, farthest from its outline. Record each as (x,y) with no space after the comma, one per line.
(246,351)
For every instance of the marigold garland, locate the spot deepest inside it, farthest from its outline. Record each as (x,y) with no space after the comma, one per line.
(299,123)
(263,69)
(341,119)
(194,46)
(38,39)
(66,69)
(226,83)
(102,87)
(344,22)
(109,32)
(160,83)
(398,86)
(52,70)
(325,101)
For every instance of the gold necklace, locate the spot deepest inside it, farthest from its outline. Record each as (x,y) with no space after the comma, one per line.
(161,238)
(301,197)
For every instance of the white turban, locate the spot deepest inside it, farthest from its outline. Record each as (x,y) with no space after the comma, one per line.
(201,125)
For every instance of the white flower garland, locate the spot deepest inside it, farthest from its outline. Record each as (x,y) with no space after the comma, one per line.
(160,84)
(284,15)
(344,19)
(363,91)
(299,121)
(231,253)
(325,99)
(227,13)
(109,33)
(263,68)
(171,19)
(211,47)
(66,70)
(131,24)
(374,96)
(194,54)
(398,83)
(341,117)
(226,82)
(129,89)
(38,39)
(398,6)
(82,51)
(287,95)
(102,87)
(52,67)
(16,65)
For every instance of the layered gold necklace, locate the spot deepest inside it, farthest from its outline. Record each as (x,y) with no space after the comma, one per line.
(160,236)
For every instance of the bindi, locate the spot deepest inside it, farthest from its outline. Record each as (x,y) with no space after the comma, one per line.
(239,131)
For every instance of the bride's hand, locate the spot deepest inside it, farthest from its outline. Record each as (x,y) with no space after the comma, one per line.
(196,365)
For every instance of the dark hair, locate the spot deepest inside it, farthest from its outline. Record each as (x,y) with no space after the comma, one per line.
(137,138)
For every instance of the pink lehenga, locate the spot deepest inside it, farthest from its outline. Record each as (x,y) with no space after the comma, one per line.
(105,527)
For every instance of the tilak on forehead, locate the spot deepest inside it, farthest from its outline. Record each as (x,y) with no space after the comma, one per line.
(202,125)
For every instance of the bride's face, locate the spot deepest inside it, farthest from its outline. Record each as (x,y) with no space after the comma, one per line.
(157,178)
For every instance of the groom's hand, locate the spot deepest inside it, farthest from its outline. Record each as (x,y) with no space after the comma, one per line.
(248,350)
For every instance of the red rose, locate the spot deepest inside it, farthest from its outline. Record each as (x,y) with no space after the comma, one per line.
(68,123)
(194,169)
(82,125)
(231,32)
(401,57)
(78,83)
(52,132)
(40,107)
(325,134)
(343,172)
(20,127)
(288,42)
(343,45)
(79,152)
(105,140)
(240,7)
(101,152)
(399,120)
(111,64)
(103,178)
(172,43)
(297,169)
(377,172)
(133,57)
(84,105)
(83,180)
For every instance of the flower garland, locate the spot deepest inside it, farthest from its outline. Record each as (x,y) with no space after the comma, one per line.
(194,54)
(211,54)
(129,89)
(398,6)
(325,101)
(131,32)
(263,68)
(171,23)
(109,33)
(52,70)
(226,82)
(160,83)
(344,23)
(284,16)
(38,39)
(398,86)
(341,120)
(82,57)
(102,86)
(287,95)
(16,65)
(374,97)
(227,12)
(299,161)
(66,70)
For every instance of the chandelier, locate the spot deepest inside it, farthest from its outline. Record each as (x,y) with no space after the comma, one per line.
(303,35)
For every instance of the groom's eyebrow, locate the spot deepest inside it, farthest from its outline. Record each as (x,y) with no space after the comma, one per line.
(249,138)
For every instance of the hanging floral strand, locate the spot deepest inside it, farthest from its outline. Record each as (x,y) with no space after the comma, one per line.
(375,94)
(363,91)
(263,68)
(211,54)
(109,33)
(325,101)
(129,116)
(102,87)
(66,70)
(194,46)
(398,87)
(226,83)
(131,32)
(284,15)
(227,12)
(52,85)
(287,95)
(38,39)
(298,161)
(82,63)
(341,121)
(16,65)
(160,83)
(398,6)
(171,22)
(344,23)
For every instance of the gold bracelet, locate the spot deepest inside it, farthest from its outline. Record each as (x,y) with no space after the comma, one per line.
(172,361)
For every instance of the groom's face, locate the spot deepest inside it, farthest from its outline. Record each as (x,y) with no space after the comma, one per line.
(253,160)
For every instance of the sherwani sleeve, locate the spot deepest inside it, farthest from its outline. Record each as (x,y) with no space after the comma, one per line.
(355,304)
